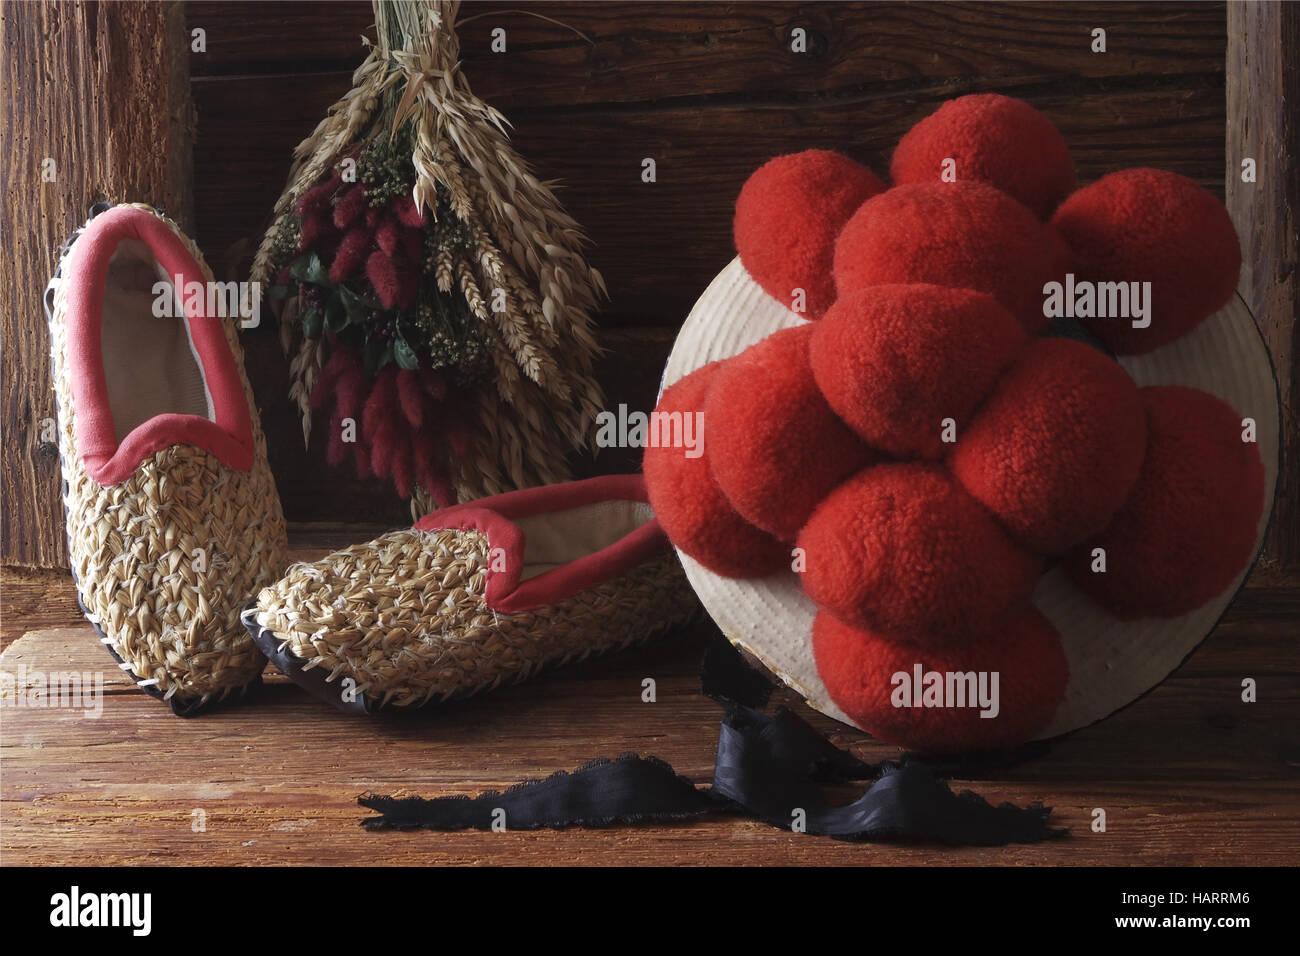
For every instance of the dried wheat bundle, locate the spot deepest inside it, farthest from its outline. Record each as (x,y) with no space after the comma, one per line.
(434,289)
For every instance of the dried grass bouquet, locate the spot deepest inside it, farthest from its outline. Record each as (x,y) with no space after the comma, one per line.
(434,290)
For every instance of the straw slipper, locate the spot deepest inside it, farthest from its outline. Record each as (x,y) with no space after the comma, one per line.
(173,519)
(475,596)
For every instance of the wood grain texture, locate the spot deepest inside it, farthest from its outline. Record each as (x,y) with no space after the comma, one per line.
(659,244)
(648,52)
(710,92)
(1188,775)
(1264,125)
(36,598)
(102,90)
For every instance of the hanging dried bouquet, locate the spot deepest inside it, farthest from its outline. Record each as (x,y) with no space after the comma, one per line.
(431,289)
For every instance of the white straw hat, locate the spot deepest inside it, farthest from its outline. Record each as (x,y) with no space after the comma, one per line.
(1111,661)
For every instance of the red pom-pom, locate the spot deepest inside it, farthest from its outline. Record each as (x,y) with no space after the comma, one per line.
(1141,225)
(1190,525)
(992,139)
(895,361)
(691,508)
(1056,449)
(873,680)
(1062,257)
(787,217)
(902,550)
(965,235)
(775,446)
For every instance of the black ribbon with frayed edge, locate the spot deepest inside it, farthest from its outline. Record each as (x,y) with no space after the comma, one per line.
(769,766)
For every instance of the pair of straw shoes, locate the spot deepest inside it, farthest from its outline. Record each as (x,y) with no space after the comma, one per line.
(177,537)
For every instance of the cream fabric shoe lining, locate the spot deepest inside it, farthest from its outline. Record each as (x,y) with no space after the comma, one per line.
(556,538)
(150,364)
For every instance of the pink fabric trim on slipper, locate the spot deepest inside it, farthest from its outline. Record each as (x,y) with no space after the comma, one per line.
(229,438)
(495,518)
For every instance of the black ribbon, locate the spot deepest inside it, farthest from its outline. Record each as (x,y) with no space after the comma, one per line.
(769,766)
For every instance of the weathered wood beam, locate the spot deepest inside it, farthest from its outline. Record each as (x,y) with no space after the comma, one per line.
(96,105)
(1263,73)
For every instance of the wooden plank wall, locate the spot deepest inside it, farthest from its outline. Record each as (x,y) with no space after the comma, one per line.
(709,91)
(1263,71)
(101,92)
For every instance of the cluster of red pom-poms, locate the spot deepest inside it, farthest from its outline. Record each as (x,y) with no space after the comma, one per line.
(920,453)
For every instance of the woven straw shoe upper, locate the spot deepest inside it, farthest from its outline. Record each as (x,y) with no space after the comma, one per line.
(165,557)
(405,617)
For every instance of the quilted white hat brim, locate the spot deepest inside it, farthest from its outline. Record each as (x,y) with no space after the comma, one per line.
(1112,662)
